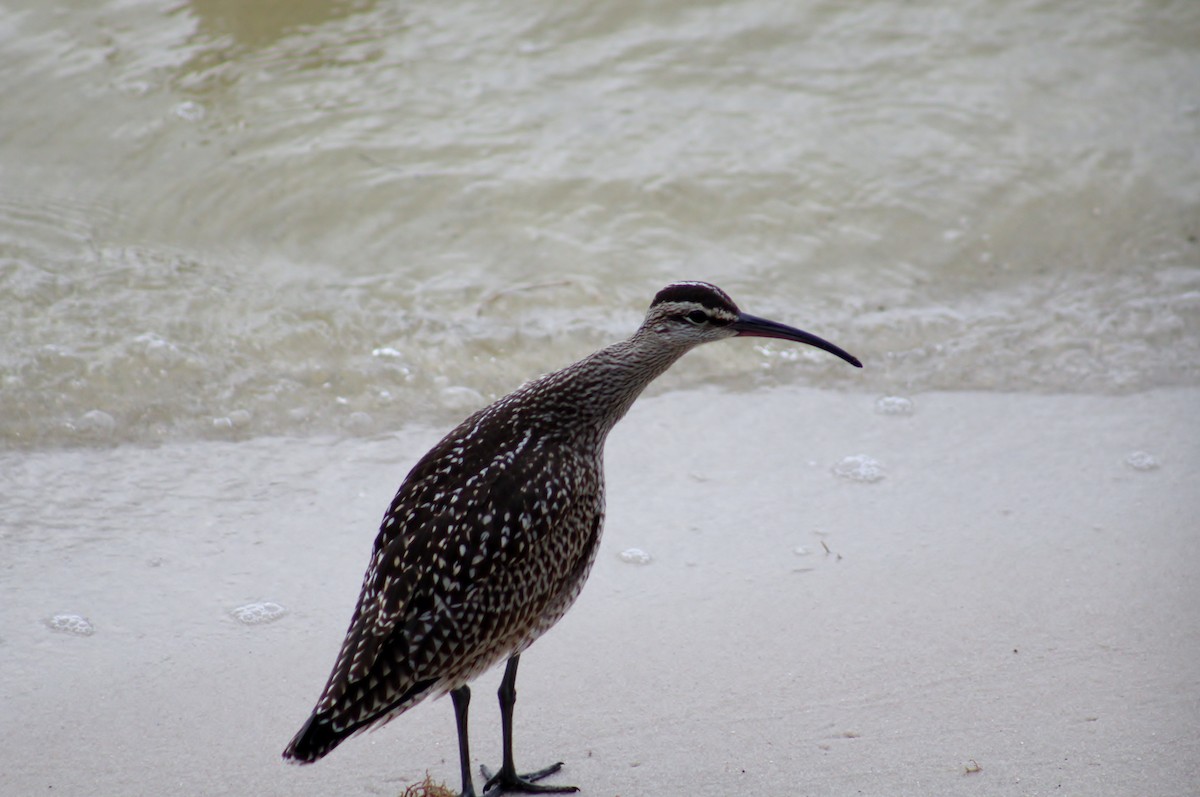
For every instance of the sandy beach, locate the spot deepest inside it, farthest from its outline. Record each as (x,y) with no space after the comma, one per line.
(1010,610)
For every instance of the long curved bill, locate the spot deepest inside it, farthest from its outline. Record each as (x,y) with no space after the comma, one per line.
(751,326)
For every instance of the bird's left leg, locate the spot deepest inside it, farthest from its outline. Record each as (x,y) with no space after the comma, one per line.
(507,778)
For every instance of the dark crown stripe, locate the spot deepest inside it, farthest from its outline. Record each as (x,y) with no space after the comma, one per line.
(702,293)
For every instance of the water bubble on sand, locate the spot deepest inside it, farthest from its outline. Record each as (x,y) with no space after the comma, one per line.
(800,550)
(258,613)
(894,405)
(859,468)
(1141,460)
(635,556)
(385,351)
(71,624)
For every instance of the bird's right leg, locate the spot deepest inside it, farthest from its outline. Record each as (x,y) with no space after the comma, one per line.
(462,698)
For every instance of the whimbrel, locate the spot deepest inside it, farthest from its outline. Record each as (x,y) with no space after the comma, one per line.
(490,538)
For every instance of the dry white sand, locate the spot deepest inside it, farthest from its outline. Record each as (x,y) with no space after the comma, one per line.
(1011,610)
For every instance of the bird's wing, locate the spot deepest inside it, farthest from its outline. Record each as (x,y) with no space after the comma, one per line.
(430,560)
(395,582)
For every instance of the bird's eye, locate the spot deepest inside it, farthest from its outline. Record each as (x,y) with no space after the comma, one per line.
(697,317)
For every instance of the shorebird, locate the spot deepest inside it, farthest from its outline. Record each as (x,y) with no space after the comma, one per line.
(491,536)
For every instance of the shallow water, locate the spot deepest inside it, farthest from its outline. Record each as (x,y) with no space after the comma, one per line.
(222,220)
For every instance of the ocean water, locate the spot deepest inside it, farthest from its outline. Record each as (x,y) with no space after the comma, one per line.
(224,220)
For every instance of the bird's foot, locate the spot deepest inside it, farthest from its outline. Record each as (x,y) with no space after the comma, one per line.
(507,780)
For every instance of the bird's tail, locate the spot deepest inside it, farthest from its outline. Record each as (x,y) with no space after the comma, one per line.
(314,740)
(325,730)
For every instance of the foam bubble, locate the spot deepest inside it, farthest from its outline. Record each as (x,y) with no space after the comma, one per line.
(894,405)
(635,556)
(359,421)
(190,111)
(859,468)
(96,422)
(258,613)
(460,398)
(71,624)
(1142,460)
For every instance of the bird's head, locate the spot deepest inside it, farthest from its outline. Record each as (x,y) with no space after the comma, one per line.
(686,314)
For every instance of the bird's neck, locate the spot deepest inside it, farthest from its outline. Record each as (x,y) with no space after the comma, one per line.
(596,392)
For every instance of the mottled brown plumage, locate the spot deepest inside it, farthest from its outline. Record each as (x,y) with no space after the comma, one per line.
(491,536)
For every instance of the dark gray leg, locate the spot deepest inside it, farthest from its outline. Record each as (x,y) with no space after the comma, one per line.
(462,698)
(507,778)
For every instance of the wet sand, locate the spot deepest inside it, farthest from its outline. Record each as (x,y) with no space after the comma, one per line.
(1012,609)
